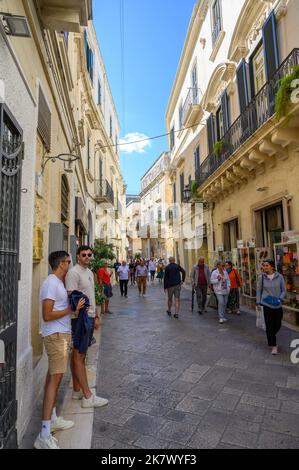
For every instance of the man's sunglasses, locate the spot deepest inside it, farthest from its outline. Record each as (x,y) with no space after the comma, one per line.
(85,254)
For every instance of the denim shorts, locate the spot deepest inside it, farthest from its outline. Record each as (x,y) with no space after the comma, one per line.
(90,327)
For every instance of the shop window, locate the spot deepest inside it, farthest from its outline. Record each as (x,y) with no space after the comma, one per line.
(269,225)
(230,234)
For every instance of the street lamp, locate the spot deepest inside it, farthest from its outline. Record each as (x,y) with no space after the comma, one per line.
(16,25)
(187,193)
(64,157)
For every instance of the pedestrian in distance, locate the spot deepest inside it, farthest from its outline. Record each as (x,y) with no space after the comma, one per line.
(233,302)
(123,274)
(201,278)
(271,291)
(104,279)
(142,276)
(152,265)
(80,278)
(116,265)
(221,284)
(174,277)
(56,334)
(160,271)
(132,272)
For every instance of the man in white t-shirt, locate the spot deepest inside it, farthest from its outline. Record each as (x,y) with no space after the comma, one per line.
(81,278)
(56,333)
(123,274)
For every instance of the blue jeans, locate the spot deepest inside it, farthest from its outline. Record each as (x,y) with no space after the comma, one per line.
(222,301)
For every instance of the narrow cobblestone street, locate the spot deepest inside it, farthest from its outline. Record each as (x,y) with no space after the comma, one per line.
(192,383)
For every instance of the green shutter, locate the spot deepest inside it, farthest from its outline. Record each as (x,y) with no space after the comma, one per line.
(270,46)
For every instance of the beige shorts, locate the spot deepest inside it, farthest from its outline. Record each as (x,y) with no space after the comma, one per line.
(175,290)
(58,350)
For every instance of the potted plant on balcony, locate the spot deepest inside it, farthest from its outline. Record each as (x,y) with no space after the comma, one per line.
(194,187)
(221,146)
(283,96)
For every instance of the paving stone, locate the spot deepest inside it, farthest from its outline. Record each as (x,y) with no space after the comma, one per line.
(122,445)
(271,440)
(234,363)
(216,420)
(288,394)
(236,436)
(181,386)
(244,424)
(282,422)
(290,407)
(270,403)
(250,412)
(178,432)
(193,405)
(293,383)
(182,417)
(205,437)
(142,406)
(103,443)
(226,401)
(167,398)
(145,424)
(150,442)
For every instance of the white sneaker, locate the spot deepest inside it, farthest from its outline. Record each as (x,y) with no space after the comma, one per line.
(77,395)
(49,443)
(274,350)
(93,402)
(61,424)
(221,320)
(224,319)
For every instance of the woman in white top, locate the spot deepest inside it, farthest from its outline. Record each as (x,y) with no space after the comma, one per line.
(221,285)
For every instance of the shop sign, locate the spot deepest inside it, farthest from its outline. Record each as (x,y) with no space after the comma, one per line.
(240,243)
(251,243)
(220,248)
(292,236)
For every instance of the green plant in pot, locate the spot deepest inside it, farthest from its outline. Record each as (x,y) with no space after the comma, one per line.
(99,294)
(194,187)
(283,96)
(218,147)
(101,252)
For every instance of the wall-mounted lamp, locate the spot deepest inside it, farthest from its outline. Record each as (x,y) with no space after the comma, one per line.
(15,25)
(64,157)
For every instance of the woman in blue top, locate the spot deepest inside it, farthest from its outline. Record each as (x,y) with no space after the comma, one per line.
(270,294)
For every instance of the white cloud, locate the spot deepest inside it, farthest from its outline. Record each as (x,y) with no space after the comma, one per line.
(137,147)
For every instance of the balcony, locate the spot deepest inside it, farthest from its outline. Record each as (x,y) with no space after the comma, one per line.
(104,192)
(192,111)
(256,114)
(67,16)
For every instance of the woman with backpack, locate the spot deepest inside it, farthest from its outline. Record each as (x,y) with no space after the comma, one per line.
(233,303)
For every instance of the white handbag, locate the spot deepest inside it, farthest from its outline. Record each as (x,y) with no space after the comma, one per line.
(260,320)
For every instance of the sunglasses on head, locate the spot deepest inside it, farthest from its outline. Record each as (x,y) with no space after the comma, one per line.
(86,254)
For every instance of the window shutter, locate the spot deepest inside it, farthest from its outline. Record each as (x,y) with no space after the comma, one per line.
(270,46)
(197,163)
(91,64)
(211,132)
(174,193)
(225,111)
(242,85)
(182,186)
(44,120)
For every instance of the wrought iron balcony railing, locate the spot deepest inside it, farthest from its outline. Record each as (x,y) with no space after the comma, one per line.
(191,100)
(258,111)
(104,192)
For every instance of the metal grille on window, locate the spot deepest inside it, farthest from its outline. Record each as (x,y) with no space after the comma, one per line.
(44,120)
(64,199)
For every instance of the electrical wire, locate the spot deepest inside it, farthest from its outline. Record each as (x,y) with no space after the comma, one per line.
(154,137)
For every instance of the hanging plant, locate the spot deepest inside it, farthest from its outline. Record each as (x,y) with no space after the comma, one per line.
(283,96)
(194,187)
(217,149)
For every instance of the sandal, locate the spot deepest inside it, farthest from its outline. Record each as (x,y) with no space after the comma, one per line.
(175,315)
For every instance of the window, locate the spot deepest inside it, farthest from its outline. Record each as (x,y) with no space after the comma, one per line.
(44,120)
(89,56)
(230,234)
(194,85)
(99,93)
(88,150)
(197,162)
(269,224)
(219,123)
(110,125)
(216,20)
(66,38)
(211,132)
(174,193)
(182,186)
(181,116)
(172,142)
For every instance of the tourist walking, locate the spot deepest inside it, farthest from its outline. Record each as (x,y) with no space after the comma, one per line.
(172,284)
(132,268)
(80,278)
(221,284)
(116,266)
(56,334)
(104,279)
(233,302)
(271,291)
(142,276)
(152,265)
(201,278)
(160,271)
(123,274)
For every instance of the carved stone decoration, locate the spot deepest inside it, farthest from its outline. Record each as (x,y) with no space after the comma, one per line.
(203,42)
(281,9)
(273,150)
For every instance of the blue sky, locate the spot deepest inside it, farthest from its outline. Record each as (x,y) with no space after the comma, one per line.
(154,34)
